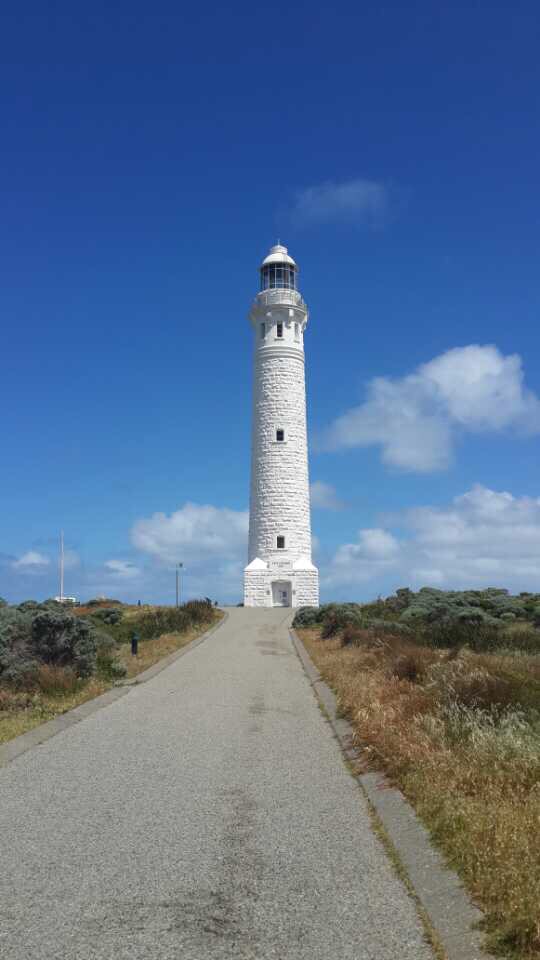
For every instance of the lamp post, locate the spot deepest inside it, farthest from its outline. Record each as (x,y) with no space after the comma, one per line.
(178,568)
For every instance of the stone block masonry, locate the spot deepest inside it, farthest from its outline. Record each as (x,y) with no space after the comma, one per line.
(279,571)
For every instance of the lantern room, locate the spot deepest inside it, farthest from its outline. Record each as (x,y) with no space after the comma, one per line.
(278,270)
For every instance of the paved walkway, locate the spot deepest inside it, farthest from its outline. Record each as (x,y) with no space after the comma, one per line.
(207,814)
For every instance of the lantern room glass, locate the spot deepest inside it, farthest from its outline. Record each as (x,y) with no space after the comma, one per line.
(278,275)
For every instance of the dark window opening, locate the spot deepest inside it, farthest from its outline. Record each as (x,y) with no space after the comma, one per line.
(263,331)
(280,436)
(279,330)
(281,275)
(281,543)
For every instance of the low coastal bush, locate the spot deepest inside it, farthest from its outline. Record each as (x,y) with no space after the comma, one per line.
(62,640)
(482,620)
(306,617)
(450,708)
(107,614)
(153,622)
(34,636)
(102,602)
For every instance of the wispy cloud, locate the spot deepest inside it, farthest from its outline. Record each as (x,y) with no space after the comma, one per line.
(31,561)
(324,496)
(357,201)
(415,419)
(122,569)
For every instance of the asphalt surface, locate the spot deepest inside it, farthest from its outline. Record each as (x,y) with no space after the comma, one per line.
(207,814)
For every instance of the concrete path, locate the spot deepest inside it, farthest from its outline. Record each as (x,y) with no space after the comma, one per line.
(207,814)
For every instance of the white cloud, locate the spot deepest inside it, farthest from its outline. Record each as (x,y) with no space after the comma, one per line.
(210,541)
(31,561)
(482,538)
(375,552)
(122,569)
(482,389)
(377,544)
(357,201)
(324,496)
(415,419)
(192,533)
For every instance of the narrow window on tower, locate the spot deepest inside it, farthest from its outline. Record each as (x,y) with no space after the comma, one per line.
(281,543)
(279,330)
(263,331)
(280,435)
(297,331)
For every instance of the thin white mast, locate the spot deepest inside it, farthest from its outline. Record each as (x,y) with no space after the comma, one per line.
(61,565)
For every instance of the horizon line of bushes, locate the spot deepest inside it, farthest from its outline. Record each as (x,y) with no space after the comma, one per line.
(483,620)
(34,635)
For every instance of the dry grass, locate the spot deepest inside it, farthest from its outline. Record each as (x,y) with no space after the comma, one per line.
(22,711)
(150,651)
(57,690)
(460,734)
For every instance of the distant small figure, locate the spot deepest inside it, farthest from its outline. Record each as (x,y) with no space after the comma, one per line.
(138,603)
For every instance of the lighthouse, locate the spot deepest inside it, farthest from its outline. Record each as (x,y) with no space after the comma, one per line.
(280,571)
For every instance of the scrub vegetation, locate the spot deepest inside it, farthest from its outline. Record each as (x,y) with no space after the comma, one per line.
(443,691)
(54,657)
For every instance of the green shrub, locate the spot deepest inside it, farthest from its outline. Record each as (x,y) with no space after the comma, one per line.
(17,664)
(33,634)
(14,629)
(18,669)
(102,602)
(373,632)
(523,638)
(456,633)
(390,608)
(338,617)
(389,627)
(108,615)
(28,606)
(64,640)
(306,617)
(158,620)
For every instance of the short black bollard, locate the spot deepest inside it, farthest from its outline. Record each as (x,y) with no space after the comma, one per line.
(134,644)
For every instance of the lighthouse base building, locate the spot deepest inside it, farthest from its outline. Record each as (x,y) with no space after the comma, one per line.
(280,571)
(266,585)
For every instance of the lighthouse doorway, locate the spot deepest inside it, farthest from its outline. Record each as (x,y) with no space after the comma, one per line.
(281,593)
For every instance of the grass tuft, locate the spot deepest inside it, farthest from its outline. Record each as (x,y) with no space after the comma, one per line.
(460,733)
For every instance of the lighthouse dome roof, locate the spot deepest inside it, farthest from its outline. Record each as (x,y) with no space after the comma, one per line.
(278,254)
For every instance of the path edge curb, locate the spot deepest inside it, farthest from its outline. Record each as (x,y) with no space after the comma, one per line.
(45,731)
(437,888)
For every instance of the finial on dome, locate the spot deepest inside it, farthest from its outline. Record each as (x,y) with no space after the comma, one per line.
(278,254)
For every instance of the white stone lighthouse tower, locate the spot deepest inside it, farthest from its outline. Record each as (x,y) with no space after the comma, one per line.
(279,571)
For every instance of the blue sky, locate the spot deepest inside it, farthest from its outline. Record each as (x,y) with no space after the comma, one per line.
(150,157)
